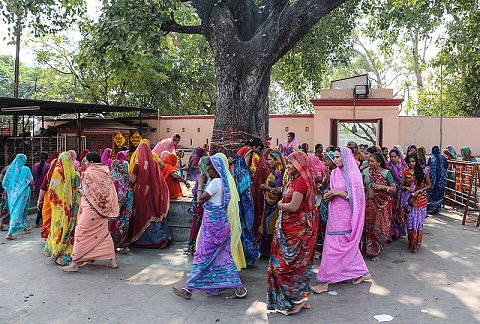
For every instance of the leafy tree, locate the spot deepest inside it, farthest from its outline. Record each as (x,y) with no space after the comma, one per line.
(460,54)
(27,83)
(246,37)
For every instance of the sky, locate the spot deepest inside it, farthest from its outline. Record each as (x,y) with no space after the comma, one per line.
(26,54)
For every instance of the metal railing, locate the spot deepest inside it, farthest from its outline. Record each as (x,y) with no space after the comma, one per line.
(461,188)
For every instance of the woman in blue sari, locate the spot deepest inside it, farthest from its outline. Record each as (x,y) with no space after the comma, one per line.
(213,267)
(241,174)
(438,176)
(17,183)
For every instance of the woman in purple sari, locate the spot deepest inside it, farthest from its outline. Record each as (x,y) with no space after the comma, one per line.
(213,268)
(341,257)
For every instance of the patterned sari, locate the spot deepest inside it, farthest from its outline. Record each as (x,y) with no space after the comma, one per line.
(64,202)
(397,227)
(46,206)
(270,210)
(118,227)
(241,175)
(99,202)
(377,213)
(213,268)
(17,186)
(195,209)
(293,246)
(260,176)
(414,210)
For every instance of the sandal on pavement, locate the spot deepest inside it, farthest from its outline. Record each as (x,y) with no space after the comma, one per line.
(314,291)
(236,295)
(123,250)
(184,293)
(297,307)
(361,279)
(11,237)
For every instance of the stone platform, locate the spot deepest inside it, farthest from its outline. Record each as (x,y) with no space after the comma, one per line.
(179,220)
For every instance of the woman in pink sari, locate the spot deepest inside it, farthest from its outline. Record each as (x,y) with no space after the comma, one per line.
(99,202)
(167,144)
(341,258)
(107,157)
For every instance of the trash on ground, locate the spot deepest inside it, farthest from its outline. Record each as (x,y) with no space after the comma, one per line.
(424,311)
(332,292)
(383,318)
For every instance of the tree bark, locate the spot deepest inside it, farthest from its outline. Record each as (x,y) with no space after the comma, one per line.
(246,42)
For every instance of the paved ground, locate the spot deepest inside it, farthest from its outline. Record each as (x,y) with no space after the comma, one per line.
(442,279)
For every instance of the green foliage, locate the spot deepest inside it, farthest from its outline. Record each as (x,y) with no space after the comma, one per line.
(303,71)
(43,17)
(27,81)
(460,54)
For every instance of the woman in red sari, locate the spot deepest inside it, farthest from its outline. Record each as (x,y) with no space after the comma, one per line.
(379,185)
(293,246)
(148,227)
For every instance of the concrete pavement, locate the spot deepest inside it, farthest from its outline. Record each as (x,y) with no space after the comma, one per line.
(442,279)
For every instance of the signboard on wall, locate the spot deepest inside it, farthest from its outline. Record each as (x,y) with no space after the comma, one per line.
(119,139)
(135,139)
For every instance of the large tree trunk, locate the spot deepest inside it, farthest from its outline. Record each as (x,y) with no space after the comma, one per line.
(247,40)
(242,105)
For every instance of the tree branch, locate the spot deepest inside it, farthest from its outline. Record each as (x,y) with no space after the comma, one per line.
(293,22)
(171,25)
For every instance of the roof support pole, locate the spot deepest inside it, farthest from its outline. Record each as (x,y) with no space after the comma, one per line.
(140,117)
(15,124)
(23,133)
(79,132)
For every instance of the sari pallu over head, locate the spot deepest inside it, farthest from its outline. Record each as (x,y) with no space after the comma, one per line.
(438,165)
(62,192)
(302,164)
(107,157)
(396,169)
(467,154)
(46,207)
(99,191)
(350,177)
(233,213)
(271,199)
(150,185)
(64,202)
(134,156)
(260,177)
(15,179)
(150,178)
(165,145)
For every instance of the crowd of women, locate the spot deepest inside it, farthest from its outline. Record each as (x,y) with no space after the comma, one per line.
(280,203)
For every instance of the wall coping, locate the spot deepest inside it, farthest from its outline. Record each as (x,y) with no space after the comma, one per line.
(361,102)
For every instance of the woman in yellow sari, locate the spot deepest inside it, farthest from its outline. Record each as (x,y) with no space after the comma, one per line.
(64,198)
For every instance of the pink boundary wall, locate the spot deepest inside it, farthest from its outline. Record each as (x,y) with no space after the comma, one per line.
(336,104)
